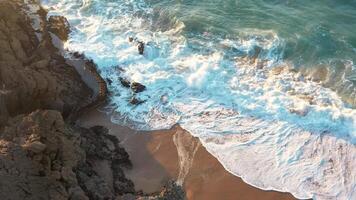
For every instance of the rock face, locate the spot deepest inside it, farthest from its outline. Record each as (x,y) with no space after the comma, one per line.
(41,156)
(48,159)
(59,26)
(37,154)
(33,74)
(103,150)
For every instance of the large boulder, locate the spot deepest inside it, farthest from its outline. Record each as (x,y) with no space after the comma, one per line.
(137,87)
(59,25)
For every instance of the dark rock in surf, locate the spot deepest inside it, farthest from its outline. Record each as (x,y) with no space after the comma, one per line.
(137,87)
(109,81)
(141,48)
(59,25)
(124,82)
(135,101)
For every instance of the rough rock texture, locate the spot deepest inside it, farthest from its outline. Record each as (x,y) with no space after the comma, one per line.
(41,157)
(59,26)
(137,87)
(37,155)
(33,74)
(103,150)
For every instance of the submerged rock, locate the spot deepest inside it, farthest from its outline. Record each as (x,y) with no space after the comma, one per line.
(124,82)
(135,101)
(109,81)
(141,48)
(137,87)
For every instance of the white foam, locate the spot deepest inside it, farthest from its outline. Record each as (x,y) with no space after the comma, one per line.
(263,121)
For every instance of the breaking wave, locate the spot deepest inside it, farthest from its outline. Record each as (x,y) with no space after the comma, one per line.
(276,127)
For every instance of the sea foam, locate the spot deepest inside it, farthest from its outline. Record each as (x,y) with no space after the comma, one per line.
(264,121)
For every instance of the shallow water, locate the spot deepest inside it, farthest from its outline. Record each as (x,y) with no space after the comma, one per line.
(267,86)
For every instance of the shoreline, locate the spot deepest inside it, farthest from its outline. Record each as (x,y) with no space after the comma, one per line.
(164,161)
(159,156)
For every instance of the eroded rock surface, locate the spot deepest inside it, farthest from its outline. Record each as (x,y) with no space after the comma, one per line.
(43,157)
(33,74)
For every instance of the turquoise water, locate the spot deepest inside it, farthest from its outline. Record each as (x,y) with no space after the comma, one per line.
(316,34)
(313,30)
(267,86)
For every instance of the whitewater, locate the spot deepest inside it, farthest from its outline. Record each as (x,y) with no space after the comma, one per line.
(265,121)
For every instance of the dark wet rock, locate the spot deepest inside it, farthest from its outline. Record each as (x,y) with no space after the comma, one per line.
(99,130)
(136,101)
(172,191)
(78,55)
(93,185)
(101,147)
(141,48)
(131,39)
(124,82)
(118,69)
(59,25)
(137,87)
(109,81)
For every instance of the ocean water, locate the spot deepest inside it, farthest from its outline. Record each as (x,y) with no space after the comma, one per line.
(268,86)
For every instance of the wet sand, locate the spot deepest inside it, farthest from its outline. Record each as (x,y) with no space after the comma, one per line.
(159,156)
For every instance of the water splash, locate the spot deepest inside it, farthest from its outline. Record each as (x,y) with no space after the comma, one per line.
(262,119)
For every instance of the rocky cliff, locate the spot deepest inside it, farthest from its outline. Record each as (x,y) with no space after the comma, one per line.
(42,156)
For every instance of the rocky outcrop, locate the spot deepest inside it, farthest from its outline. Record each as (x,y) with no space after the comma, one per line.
(103,150)
(37,154)
(137,87)
(59,26)
(33,74)
(41,157)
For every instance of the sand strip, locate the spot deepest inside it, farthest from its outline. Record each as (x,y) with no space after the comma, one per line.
(159,156)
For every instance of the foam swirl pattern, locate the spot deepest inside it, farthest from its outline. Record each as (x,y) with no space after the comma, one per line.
(264,121)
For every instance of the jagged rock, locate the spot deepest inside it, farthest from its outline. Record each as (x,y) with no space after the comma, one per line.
(141,48)
(99,146)
(49,128)
(124,82)
(99,130)
(77,194)
(93,185)
(135,101)
(109,81)
(172,191)
(32,72)
(59,25)
(137,87)
(36,147)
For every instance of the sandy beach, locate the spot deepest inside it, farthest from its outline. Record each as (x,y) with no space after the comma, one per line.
(160,156)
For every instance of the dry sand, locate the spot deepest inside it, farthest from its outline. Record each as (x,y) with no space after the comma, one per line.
(159,156)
